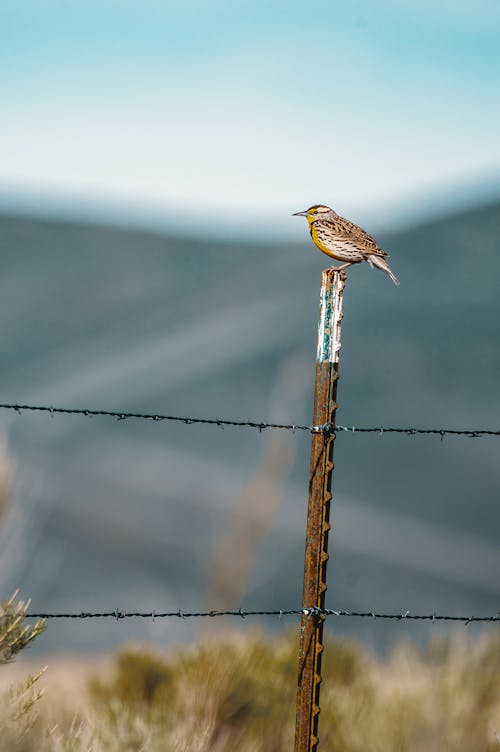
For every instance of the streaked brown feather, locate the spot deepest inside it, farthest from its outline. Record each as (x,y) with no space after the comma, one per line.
(345,230)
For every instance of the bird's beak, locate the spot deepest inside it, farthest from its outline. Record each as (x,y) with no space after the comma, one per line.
(301,214)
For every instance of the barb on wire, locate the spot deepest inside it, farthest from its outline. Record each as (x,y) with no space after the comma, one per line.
(156,417)
(314,612)
(260,425)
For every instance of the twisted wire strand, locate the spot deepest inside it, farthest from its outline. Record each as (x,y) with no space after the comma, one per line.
(314,612)
(260,425)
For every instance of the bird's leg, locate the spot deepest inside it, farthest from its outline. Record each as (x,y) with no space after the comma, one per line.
(344,266)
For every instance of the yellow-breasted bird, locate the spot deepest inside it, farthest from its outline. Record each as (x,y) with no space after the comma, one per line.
(343,240)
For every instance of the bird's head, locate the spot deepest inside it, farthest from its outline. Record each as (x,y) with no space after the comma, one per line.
(318,211)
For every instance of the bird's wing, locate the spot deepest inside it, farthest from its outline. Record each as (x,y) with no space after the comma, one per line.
(348,231)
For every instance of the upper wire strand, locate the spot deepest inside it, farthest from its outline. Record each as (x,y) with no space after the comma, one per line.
(259,425)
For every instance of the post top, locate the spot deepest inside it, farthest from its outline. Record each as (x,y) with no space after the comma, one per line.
(332,274)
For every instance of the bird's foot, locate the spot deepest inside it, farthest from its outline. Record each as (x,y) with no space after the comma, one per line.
(339,268)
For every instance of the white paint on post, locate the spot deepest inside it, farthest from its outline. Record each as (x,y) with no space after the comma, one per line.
(330,316)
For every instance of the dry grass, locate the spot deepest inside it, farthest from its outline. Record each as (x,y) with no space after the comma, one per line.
(15,635)
(238,693)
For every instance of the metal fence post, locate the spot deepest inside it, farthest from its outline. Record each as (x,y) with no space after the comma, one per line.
(318,514)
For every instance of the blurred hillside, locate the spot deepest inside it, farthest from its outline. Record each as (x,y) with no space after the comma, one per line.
(108,514)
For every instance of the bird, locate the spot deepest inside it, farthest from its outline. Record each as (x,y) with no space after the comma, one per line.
(344,241)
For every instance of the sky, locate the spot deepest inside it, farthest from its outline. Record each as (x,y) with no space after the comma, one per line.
(233,114)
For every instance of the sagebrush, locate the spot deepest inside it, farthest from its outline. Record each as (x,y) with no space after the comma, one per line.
(238,693)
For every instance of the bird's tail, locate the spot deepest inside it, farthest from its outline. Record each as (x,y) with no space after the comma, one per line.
(381,263)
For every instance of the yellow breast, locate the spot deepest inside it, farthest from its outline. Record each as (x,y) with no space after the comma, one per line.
(322,247)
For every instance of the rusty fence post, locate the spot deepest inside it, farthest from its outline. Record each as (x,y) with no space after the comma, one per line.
(318,513)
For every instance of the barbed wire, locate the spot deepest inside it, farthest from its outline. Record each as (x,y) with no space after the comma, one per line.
(118,614)
(260,425)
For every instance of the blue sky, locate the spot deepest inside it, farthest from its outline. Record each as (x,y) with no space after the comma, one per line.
(226,111)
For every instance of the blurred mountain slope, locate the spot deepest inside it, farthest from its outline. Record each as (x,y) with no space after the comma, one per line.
(130,514)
